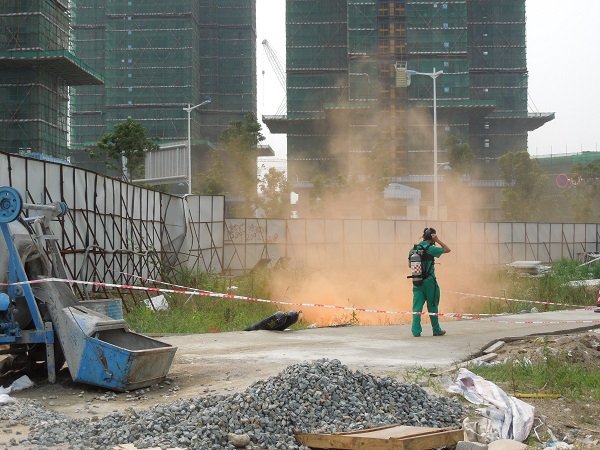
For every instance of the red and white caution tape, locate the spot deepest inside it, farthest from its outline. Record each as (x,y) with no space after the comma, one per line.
(189,291)
(150,280)
(517,300)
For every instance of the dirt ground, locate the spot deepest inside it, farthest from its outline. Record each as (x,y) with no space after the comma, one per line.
(192,378)
(567,420)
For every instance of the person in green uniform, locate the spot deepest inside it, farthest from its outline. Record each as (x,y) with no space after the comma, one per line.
(429,291)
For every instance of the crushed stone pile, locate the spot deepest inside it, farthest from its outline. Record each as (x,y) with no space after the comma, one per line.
(320,396)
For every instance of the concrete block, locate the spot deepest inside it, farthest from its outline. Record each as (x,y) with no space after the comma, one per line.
(506,444)
(463,445)
(494,347)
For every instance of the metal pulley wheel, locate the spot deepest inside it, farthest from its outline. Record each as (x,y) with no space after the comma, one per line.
(61,207)
(11,204)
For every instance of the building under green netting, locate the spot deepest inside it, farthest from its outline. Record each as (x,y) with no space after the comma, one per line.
(349,88)
(37,65)
(159,56)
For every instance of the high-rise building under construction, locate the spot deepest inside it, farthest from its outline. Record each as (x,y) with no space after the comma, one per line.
(348,66)
(38,63)
(159,56)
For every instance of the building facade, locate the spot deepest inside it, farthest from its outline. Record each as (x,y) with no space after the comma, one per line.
(37,65)
(159,56)
(349,88)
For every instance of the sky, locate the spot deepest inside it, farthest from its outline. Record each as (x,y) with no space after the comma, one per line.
(563,62)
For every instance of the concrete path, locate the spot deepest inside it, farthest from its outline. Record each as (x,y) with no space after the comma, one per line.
(380,349)
(208,364)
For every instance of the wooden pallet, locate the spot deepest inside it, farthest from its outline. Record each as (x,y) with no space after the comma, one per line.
(394,437)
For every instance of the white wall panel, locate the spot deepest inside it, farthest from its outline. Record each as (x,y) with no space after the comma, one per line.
(370,231)
(352,231)
(544,232)
(403,234)
(315,232)
(334,231)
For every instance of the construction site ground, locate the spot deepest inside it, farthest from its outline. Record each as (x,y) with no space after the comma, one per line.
(221,363)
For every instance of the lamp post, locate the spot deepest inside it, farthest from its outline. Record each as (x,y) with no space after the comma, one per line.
(433,75)
(189,110)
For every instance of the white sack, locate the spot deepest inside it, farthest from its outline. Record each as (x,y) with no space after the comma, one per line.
(19,384)
(511,418)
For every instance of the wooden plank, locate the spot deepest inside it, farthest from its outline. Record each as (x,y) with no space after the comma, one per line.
(397,437)
(444,439)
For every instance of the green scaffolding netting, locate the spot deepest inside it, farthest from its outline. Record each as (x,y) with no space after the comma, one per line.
(159,56)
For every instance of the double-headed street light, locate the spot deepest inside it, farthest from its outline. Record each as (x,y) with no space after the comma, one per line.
(189,110)
(433,75)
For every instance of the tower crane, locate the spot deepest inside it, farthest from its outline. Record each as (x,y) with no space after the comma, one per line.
(277,67)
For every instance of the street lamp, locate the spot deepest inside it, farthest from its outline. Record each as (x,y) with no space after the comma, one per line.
(189,110)
(433,75)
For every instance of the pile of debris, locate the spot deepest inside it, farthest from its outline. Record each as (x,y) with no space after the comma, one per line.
(323,396)
(529,268)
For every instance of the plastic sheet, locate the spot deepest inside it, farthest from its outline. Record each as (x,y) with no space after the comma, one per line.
(19,384)
(506,417)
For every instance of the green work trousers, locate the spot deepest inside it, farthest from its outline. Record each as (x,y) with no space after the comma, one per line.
(428,292)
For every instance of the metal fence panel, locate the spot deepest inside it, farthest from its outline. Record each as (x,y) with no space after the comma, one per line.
(556,233)
(314,231)
(113,230)
(385,243)
(402,232)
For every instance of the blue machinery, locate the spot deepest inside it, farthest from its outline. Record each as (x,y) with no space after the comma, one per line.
(47,323)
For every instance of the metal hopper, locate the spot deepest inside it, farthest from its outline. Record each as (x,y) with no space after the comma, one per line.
(100,350)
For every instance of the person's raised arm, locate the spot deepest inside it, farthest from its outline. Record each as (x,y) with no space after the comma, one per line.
(434,238)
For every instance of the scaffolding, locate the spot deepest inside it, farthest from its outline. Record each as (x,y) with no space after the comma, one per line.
(36,67)
(87,102)
(317,74)
(498,65)
(341,82)
(157,58)
(392,50)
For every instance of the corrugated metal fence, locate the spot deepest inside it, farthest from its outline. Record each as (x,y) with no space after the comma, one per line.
(115,231)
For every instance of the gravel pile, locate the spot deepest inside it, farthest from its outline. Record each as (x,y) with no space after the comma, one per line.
(321,396)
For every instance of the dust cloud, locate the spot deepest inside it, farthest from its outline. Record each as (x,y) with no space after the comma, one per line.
(381,288)
(365,157)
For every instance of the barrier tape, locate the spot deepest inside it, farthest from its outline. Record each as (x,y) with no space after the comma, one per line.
(453,315)
(537,302)
(508,299)
(143,280)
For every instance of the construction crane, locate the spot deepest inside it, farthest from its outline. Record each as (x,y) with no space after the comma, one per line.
(279,72)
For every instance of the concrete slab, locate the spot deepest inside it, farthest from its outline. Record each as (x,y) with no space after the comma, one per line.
(381,349)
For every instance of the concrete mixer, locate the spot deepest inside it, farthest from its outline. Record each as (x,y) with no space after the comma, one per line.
(42,319)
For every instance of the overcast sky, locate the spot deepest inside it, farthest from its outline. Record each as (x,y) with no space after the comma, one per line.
(563,61)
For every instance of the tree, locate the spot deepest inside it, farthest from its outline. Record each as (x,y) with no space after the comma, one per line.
(525,183)
(585,192)
(231,168)
(212,181)
(128,139)
(243,134)
(274,196)
(460,156)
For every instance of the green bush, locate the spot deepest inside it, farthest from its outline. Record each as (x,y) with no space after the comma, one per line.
(553,376)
